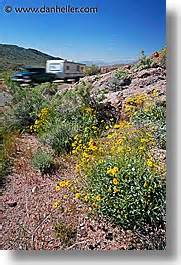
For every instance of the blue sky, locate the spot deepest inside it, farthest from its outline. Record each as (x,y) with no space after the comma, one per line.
(119,30)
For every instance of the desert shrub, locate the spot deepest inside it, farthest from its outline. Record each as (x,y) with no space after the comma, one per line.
(65,232)
(144,62)
(26,105)
(70,114)
(121,74)
(130,193)
(163,57)
(43,161)
(59,136)
(160,58)
(100,94)
(50,89)
(119,80)
(92,70)
(6,76)
(119,177)
(7,137)
(154,116)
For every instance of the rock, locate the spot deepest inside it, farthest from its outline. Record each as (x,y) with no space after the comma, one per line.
(91,247)
(109,236)
(34,189)
(12,203)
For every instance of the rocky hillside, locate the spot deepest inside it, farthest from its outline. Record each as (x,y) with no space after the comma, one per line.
(117,85)
(12,56)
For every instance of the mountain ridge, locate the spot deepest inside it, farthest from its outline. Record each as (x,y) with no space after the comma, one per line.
(13,56)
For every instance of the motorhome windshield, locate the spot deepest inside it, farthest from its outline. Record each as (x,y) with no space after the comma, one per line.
(56,67)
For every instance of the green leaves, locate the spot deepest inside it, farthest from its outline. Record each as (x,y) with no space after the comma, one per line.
(135,203)
(43,161)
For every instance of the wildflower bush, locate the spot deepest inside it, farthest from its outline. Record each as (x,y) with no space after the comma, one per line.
(70,114)
(43,161)
(120,177)
(123,182)
(131,193)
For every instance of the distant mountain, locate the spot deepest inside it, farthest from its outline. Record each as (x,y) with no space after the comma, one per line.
(104,63)
(12,57)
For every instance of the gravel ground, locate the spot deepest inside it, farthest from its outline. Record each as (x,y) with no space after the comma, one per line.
(28,219)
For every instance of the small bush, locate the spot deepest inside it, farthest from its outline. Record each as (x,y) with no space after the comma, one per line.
(121,74)
(120,178)
(119,80)
(154,116)
(74,113)
(144,62)
(26,105)
(43,161)
(6,150)
(66,233)
(130,193)
(92,70)
(163,58)
(59,137)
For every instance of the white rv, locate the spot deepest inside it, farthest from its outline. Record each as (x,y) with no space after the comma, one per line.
(64,69)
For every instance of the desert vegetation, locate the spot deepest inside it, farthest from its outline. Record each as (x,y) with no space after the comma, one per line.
(102,159)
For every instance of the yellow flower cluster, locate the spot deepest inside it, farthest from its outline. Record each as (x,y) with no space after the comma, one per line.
(150,163)
(134,103)
(112,171)
(88,110)
(115,181)
(155,93)
(39,122)
(55,204)
(124,141)
(77,195)
(85,149)
(63,184)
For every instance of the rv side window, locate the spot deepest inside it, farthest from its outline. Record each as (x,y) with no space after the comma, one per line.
(78,67)
(68,67)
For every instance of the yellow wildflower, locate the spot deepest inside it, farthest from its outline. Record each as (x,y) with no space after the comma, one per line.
(115,181)
(98,198)
(143,140)
(77,195)
(86,198)
(113,171)
(115,190)
(57,188)
(110,136)
(64,183)
(56,204)
(94,205)
(150,163)
(141,148)
(155,93)
(145,184)
(117,126)
(128,149)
